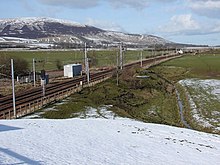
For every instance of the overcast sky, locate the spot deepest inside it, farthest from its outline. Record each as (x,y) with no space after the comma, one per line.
(184,21)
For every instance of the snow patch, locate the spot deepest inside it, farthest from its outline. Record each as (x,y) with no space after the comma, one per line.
(100,112)
(212,86)
(207,91)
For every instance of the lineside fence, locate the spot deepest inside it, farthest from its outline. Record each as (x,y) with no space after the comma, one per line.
(35,105)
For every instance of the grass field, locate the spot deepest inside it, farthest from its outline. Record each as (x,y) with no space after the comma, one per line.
(205,65)
(47,59)
(200,105)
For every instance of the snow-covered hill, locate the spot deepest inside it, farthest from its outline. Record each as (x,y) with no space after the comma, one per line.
(129,39)
(36,21)
(61,31)
(104,141)
(42,27)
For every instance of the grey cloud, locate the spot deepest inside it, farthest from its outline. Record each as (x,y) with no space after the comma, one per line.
(130,3)
(83,4)
(208,8)
(137,4)
(180,24)
(186,25)
(71,3)
(203,0)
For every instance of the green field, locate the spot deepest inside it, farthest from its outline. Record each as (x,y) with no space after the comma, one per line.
(47,59)
(205,65)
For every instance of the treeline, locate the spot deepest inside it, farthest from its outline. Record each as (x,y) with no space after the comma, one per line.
(20,66)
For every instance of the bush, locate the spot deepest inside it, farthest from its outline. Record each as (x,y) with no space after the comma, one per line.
(59,64)
(20,66)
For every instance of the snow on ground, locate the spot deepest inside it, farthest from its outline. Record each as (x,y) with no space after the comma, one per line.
(100,112)
(90,112)
(103,141)
(204,96)
(212,86)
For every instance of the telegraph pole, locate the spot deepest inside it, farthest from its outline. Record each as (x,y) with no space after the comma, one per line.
(86,65)
(13,87)
(34,72)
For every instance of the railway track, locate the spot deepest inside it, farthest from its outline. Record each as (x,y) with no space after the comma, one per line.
(31,95)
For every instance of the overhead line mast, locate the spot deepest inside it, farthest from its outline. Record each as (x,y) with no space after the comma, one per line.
(121,56)
(86,65)
(141,59)
(34,72)
(13,87)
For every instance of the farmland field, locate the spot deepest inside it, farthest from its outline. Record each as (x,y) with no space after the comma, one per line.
(205,65)
(47,59)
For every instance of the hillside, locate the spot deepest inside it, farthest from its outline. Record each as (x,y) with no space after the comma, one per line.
(55,31)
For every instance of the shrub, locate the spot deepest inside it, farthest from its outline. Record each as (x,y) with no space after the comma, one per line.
(59,64)
(20,65)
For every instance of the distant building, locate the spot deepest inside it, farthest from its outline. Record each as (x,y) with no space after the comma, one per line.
(180,52)
(72,70)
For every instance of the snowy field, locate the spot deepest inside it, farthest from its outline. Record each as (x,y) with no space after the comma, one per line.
(204,99)
(99,141)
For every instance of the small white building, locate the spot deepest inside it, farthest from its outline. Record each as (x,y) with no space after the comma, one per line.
(180,51)
(72,70)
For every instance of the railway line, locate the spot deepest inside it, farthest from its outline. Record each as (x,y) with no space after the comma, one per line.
(29,96)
